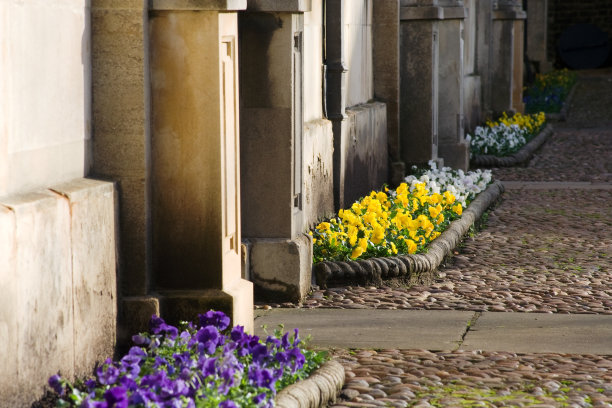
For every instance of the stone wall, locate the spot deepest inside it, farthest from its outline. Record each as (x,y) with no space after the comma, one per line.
(318,138)
(45,120)
(58,308)
(563,14)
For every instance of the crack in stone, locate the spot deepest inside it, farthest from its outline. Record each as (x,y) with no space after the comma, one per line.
(468,327)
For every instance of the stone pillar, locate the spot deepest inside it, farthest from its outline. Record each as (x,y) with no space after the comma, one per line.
(472,92)
(507,57)
(271,103)
(195,204)
(419,51)
(336,69)
(484,53)
(452,146)
(121,145)
(537,28)
(386,60)
(359,123)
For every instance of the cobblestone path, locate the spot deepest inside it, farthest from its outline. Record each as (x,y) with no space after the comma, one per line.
(545,248)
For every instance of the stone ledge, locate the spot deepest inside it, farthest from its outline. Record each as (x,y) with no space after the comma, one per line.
(509,15)
(318,390)
(562,115)
(432,13)
(417,267)
(219,5)
(286,6)
(517,158)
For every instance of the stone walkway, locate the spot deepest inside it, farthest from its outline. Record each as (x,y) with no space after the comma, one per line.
(547,248)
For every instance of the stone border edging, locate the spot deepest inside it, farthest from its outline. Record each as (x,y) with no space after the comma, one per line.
(517,158)
(562,115)
(375,270)
(320,388)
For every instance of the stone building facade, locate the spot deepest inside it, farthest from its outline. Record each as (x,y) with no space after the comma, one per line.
(169,156)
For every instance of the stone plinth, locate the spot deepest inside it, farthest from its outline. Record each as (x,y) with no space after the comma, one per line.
(58,308)
(272,148)
(195,173)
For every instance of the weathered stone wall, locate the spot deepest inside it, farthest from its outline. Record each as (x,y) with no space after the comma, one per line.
(565,13)
(58,307)
(358,51)
(45,120)
(318,193)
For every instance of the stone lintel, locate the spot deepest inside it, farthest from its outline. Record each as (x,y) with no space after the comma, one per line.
(286,6)
(432,13)
(509,15)
(211,5)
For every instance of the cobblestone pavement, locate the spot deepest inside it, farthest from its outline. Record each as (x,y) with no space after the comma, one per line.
(542,250)
(418,378)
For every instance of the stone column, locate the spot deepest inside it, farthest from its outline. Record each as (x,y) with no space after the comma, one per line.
(195,205)
(484,52)
(452,146)
(507,56)
(121,145)
(537,28)
(386,60)
(419,76)
(271,103)
(472,92)
(336,69)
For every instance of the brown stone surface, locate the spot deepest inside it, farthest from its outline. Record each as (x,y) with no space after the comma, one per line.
(418,378)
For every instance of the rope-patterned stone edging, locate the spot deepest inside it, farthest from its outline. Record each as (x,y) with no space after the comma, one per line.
(375,270)
(318,390)
(562,115)
(517,158)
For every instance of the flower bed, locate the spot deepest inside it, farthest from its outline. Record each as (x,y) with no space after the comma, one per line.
(203,365)
(505,136)
(549,91)
(393,223)
(402,221)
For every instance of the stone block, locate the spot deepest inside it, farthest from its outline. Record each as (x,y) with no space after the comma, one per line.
(266,173)
(362,158)
(235,300)
(291,6)
(386,54)
(455,155)
(281,269)
(419,72)
(40,299)
(94,269)
(134,316)
(472,92)
(318,171)
(210,5)
(9,311)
